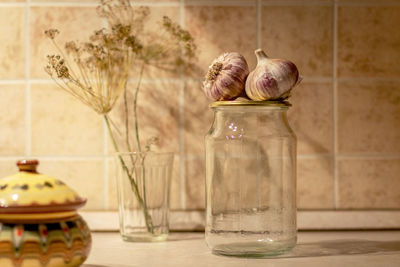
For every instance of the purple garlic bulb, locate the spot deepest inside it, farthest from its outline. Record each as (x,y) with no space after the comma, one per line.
(272,79)
(226,77)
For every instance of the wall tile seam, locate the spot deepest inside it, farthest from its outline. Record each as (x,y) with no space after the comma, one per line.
(294,3)
(202,156)
(181,122)
(190,156)
(95,4)
(376,3)
(369,3)
(54,158)
(314,156)
(290,3)
(297,3)
(156,80)
(335,112)
(13,82)
(233,2)
(384,209)
(21,5)
(316,79)
(252,3)
(154,4)
(258,25)
(348,209)
(134,80)
(105,157)
(367,80)
(106,152)
(28,115)
(62,4)
(329,3)
(368,157)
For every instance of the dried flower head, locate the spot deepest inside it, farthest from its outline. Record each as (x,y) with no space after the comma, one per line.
(57,65)
(51,33)
(96,71)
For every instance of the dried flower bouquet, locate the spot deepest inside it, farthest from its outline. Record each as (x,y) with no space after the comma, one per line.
(97,71)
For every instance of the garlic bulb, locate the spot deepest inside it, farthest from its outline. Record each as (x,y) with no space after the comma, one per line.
(271,79)
(226,77)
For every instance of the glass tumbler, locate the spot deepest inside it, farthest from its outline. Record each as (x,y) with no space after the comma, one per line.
(250,179)
(143,183)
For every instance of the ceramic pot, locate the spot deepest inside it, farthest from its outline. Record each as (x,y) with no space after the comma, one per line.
(39,223)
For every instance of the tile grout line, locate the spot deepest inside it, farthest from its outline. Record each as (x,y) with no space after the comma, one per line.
(368,79)
(63,4)
(368,156)
(28,117)
(105,167)
(219,3)
(95,4)
(258,24)
(335,108)
(297,3)
(212,3)
(197,156)
(13,5)
(56,158)
(376,3)
(181,122)
(105,153)
(314,79)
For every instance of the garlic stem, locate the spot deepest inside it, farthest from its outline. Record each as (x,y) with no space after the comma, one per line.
(261,56)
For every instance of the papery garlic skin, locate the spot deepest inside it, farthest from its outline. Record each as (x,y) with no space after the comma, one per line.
(226,77)
(272,79)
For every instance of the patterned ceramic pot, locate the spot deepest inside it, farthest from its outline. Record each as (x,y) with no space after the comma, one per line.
(39,223)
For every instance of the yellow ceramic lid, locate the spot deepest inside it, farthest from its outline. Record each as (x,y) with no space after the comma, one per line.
(31,192)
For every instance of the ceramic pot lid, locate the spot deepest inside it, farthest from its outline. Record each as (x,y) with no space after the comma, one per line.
(31,192)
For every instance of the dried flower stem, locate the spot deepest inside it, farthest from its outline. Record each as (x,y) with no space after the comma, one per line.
(126,119)
(135,188)
(135,108)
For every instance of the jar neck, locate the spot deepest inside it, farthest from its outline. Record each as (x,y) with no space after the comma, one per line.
(276,113)
(250,117)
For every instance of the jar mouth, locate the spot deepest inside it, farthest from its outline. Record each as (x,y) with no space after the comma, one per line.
(271,103)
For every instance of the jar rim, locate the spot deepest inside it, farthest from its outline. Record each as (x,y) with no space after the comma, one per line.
(268,103)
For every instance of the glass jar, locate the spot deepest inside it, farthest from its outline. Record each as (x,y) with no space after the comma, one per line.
(250,179)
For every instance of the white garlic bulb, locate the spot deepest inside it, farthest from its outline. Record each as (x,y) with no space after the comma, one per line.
(226,77)
(272,79)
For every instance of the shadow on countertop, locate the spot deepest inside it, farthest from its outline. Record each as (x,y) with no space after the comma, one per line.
(342,247)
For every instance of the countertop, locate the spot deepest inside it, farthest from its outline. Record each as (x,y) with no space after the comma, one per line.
(314,248)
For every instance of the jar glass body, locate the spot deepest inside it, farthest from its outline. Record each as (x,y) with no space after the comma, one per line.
(250,181)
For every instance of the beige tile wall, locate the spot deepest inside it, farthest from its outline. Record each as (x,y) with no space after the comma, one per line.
(346,112)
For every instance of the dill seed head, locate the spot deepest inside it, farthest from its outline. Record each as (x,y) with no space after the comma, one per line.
(56,65)
(96,71)
(51,33)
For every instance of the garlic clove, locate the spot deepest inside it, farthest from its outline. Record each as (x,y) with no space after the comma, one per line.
(226,77)
(272,79)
